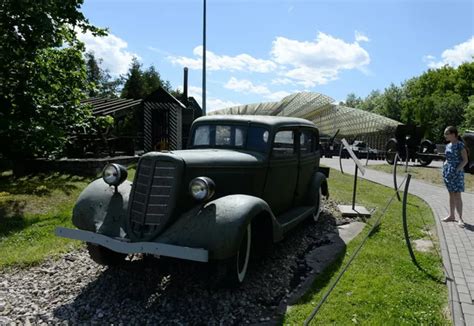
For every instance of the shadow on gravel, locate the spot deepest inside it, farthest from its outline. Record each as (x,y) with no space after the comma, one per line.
(170,291)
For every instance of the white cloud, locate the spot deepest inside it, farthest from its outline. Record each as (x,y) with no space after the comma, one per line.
(195,91)
(212,103)
(282,81)
(112,49)
(293,62)
(157,50)
(318,62)
(216,104)
(458,54)
(428,58)
(361,37)
(241,62)
(245,86)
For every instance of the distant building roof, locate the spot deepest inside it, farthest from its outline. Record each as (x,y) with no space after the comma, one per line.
(328,117)
(110,106)
(260,119)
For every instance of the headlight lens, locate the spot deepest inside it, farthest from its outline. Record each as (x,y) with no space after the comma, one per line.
(202,188)
(114,174)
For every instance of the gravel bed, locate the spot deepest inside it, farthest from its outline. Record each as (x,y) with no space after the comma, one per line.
(75,290)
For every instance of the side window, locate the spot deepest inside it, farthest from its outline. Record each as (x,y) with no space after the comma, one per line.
(308,142)
(239,137)
(257,139)
(202,136)
(284,144)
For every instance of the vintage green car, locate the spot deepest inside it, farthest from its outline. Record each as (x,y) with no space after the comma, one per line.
(241,185)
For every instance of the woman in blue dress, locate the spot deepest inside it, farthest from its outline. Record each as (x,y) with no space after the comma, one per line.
(453,173)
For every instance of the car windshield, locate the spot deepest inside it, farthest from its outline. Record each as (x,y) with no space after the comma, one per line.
(231,136)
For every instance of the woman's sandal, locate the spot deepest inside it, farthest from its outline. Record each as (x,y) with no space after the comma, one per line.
(461,223)
(449,219)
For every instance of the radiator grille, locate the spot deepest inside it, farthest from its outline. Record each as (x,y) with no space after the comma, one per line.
(151,203)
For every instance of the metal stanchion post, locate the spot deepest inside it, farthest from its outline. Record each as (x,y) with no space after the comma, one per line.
(354,191)
(340,158)
(395,186)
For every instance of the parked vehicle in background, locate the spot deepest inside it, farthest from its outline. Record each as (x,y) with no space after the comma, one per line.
(409,144)
(361,150)
(468,139)
(243,183)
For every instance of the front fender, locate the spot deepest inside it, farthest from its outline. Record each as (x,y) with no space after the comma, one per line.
(218,226)
(102,210)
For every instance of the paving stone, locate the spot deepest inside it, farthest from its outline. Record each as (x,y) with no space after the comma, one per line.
(467,308)
(469,279)
(463,289)
(466,298)
(457,268)
(470,286)
(469,319)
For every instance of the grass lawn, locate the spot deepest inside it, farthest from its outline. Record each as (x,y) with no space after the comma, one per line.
(382,286)
(428,174)
(30,209)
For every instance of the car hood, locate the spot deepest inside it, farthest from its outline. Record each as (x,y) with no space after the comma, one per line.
(220,157)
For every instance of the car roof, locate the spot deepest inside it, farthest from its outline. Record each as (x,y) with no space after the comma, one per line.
(272,121)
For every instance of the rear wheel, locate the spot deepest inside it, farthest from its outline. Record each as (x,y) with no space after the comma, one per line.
(318,205)
(105,256)
(391,151)
(232,272)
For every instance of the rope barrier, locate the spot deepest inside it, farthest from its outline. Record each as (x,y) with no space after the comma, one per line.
(407,235)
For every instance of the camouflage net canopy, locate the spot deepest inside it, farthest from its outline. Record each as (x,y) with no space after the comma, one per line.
(352,123)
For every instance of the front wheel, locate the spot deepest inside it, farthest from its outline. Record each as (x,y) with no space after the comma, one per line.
(426,147)
(232,272)
(105,256)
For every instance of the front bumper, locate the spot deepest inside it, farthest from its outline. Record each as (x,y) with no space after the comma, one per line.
(125,247)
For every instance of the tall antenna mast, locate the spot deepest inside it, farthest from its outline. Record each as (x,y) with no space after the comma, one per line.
(204,60)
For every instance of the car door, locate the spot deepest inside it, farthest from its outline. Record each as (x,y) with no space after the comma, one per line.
(282,171)
(309,157)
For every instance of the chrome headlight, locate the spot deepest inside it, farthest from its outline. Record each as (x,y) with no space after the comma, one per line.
(114,174)
(202,188)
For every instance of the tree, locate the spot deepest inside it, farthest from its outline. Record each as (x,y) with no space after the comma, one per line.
(469,115)
(390,104)
(152,80)
(372,102)
(352,100)
(101,82)
(437,98)
(134,86)
(140,84)
(94,73)
(448,110)
(43,76)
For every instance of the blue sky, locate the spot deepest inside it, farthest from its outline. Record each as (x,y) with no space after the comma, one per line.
(263,50)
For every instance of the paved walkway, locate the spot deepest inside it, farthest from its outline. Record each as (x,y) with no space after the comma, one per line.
(457,244)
